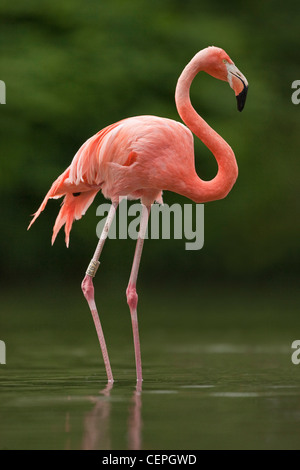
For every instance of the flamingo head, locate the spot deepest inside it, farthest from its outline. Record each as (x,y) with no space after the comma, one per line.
(220,66)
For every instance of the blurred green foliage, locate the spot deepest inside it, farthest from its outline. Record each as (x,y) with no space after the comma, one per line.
(73,67)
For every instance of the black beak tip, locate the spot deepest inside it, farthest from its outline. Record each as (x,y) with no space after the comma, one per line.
(241,98)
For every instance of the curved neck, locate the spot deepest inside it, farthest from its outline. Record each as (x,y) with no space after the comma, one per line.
(221,184)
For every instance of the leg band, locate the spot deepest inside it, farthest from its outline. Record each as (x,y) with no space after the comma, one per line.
(92,268)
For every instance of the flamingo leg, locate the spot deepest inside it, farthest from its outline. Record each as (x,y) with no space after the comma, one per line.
(88,289)
(132,297)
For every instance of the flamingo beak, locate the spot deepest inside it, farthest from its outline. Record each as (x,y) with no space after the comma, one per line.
(241,98)
(239,84)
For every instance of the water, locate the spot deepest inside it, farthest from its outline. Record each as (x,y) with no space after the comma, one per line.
(208,384)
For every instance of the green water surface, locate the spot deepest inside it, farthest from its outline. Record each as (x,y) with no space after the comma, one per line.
(217,371)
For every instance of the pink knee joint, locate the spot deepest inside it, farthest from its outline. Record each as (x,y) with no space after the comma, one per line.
(132,297)
(87,288)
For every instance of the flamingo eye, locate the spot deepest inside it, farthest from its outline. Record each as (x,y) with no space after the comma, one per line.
(225,61)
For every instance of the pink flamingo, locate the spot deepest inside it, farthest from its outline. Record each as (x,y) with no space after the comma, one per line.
(139,157)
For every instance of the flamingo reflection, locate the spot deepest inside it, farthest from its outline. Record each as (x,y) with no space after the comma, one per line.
(96,423)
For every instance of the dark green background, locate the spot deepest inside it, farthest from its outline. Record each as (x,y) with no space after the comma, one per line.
(73,67)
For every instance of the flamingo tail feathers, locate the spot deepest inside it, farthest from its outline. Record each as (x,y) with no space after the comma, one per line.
(73,207)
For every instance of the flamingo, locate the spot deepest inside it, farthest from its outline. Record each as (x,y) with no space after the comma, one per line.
(139,157)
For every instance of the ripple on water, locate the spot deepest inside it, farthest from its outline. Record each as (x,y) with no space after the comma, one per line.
(197,386)
(236,394)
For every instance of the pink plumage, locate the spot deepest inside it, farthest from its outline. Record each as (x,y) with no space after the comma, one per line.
(136,157)
(139,157)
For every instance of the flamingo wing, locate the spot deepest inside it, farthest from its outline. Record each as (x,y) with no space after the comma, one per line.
(79,183)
